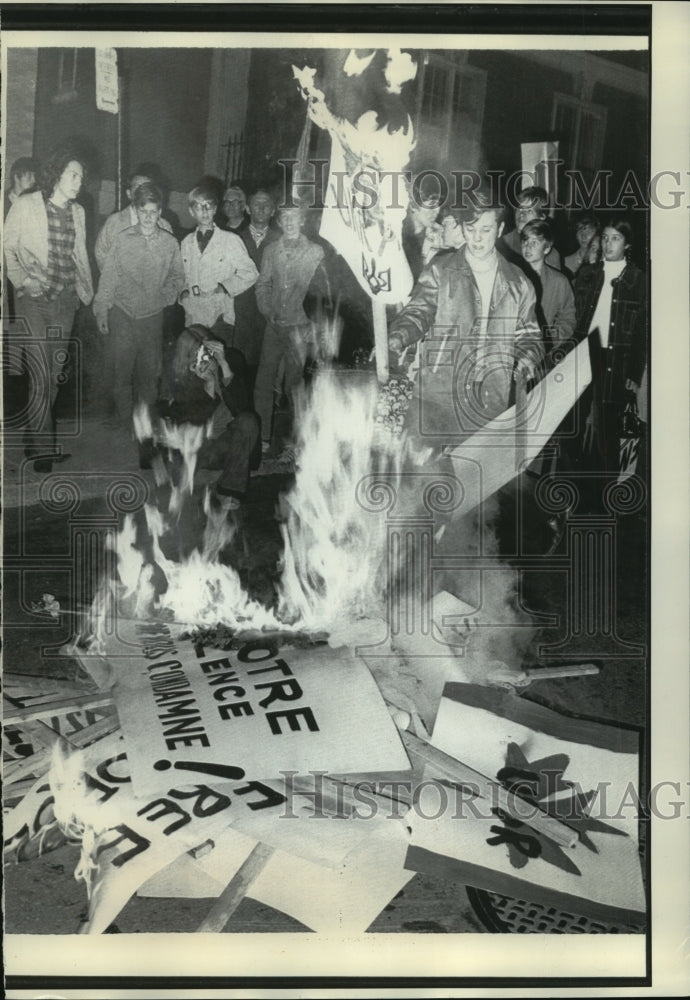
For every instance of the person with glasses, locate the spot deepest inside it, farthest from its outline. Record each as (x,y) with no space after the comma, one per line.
(217,267)
(235,210)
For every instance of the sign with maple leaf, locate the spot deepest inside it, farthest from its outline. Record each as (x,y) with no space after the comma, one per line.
(580,772)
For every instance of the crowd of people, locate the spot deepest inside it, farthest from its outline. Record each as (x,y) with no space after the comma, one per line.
(240,278)
(515,306)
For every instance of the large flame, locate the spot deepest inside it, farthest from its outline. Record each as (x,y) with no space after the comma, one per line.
(334,565)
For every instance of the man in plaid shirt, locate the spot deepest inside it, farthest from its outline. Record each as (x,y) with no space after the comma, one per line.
(45,251)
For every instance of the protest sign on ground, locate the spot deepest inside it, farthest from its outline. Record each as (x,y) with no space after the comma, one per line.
(190,714)
(585,773)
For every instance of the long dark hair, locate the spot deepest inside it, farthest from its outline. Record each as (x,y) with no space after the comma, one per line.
(186,348)
(53,168)
(626,231)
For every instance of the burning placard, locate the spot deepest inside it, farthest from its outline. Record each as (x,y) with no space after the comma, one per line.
(193,715)
(583,773)
(364,202)
(127,839)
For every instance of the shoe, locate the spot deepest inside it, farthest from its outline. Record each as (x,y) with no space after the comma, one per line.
(265,446)
(43,465)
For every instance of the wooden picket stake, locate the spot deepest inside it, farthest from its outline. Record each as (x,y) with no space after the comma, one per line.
(520,419)
(236,889)
(39,762)
(59,707)
(445,766)
(378,310)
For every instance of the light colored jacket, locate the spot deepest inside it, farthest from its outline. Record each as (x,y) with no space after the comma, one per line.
(115,224)
(141,276)
(225,262)
(26,239)
(286,273)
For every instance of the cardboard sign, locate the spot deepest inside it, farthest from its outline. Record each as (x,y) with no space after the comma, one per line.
(190,715)
(107,88)
(581,772)
(504,447)
(539,164)
(344,899)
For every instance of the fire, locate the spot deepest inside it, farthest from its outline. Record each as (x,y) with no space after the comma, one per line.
(334,561)
(81,815)
(334,564)
(370,144)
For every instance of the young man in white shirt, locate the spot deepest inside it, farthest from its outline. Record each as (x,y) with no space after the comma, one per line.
(217,268)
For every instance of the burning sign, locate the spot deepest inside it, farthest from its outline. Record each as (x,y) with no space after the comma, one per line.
(364,203)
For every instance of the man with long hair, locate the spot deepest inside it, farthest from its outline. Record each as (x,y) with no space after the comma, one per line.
(47,263)
(210,387)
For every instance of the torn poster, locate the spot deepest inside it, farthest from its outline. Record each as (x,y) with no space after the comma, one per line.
(581,772)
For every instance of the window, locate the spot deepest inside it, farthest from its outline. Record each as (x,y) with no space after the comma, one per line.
(581,128)
(450,101)
(66,89)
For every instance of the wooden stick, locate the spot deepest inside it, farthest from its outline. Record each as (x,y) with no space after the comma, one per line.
(378,310)
(39,762)
(236,889)
(520,419)
(448,767)
(59,707)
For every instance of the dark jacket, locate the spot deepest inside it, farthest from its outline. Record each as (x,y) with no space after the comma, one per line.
(446,307)
(626,353)
(193,405)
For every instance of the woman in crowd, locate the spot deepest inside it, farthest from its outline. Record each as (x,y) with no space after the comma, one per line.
(555,300)
(210,384)
(611,305)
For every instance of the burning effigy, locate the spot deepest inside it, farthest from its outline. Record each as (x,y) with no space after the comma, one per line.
(362,693)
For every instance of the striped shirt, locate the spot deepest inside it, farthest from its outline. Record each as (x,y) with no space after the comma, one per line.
(62,270)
